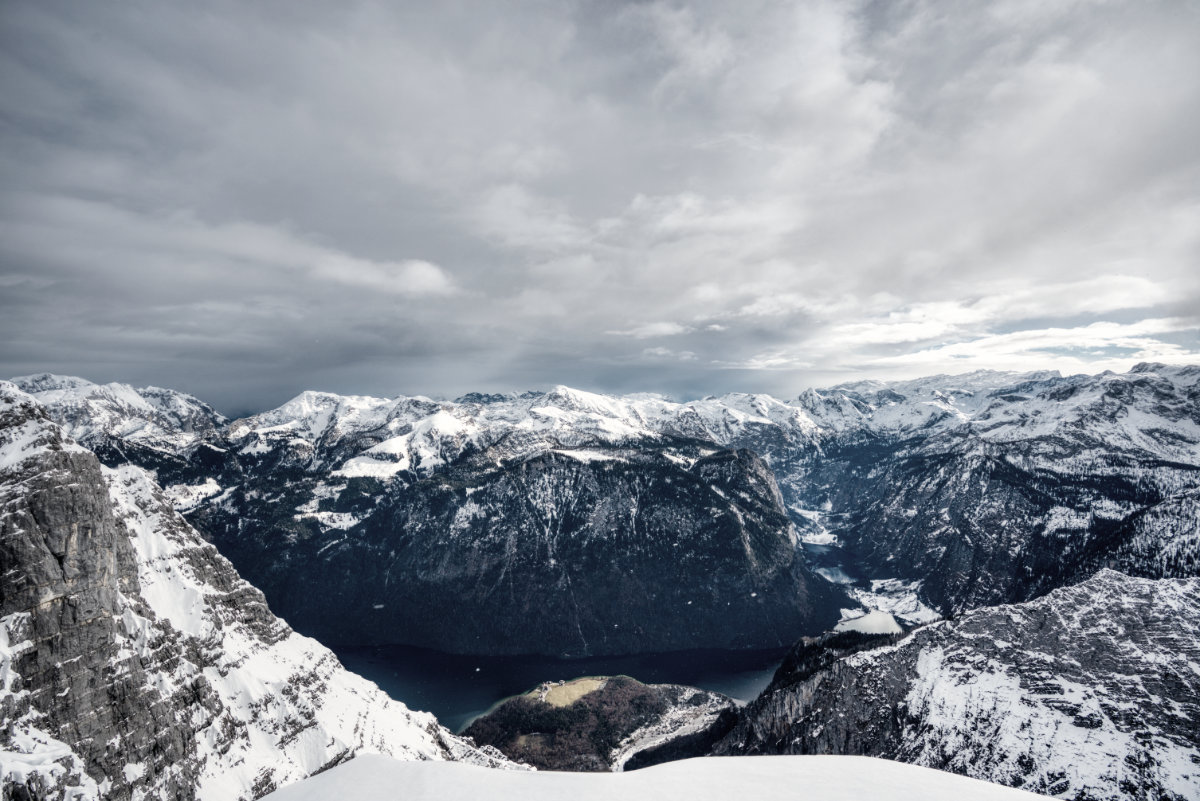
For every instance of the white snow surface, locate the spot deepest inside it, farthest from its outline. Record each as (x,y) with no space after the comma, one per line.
(897,597)
(873,622)
(185,497)
(762,778)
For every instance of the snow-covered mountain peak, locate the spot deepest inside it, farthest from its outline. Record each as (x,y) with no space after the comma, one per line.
(46,382)
(575,400)
(99,414)
(1186,374)
(310,414)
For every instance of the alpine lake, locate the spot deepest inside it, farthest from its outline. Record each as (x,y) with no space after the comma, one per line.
(458,688)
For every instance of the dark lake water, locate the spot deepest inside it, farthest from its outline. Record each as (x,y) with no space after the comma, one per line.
(458,688)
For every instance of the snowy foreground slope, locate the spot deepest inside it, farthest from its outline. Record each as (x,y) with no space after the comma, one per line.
(1090,692)
(136,664)
(370,778)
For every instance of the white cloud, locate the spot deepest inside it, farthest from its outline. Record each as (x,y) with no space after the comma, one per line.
(163,248)
(512,216)
(652,330)
(1087,348)
(667,353)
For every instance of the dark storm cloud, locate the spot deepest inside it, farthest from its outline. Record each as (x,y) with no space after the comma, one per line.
(246,200)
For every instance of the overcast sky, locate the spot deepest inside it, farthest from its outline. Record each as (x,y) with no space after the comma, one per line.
(245,200)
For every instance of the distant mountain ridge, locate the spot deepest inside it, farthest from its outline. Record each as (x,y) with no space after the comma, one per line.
(954,491)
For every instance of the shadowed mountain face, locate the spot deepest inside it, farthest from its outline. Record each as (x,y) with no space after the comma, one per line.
(572,523)
(618,552)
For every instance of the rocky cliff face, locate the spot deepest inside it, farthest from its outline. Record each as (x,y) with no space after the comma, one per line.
(136,663)
(1090,692)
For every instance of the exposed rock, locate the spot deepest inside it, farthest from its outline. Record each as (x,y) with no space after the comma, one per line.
(136,663)
(1090,692)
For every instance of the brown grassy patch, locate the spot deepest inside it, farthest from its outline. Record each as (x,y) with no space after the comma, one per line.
(572,691)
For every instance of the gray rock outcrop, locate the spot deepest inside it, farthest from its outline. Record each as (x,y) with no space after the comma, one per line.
(136,663)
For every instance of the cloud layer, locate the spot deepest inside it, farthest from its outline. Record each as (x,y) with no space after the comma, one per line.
(246,200)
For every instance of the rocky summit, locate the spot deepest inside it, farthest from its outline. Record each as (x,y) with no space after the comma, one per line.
(135,663)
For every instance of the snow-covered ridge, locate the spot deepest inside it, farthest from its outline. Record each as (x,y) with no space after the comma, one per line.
(970,489)
(158,418)
(1153,411)
(1153,408)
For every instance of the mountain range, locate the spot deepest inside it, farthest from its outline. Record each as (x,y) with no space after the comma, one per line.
(576,524)
(1034,535)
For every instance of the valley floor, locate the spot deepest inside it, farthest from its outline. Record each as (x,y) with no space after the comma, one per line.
(764,778)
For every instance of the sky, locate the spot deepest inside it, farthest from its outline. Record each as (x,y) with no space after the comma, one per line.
(246,200)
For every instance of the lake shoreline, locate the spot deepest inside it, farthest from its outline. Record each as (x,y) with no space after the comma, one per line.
(458,688)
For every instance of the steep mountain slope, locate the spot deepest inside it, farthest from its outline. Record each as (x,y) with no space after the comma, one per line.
(136,663)
(1090,692)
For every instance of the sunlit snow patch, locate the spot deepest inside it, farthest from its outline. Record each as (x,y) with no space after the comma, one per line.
(592,456)
(186,497)
(834,574)
(873,622)
(341,521)
(818,535)
(898,597)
